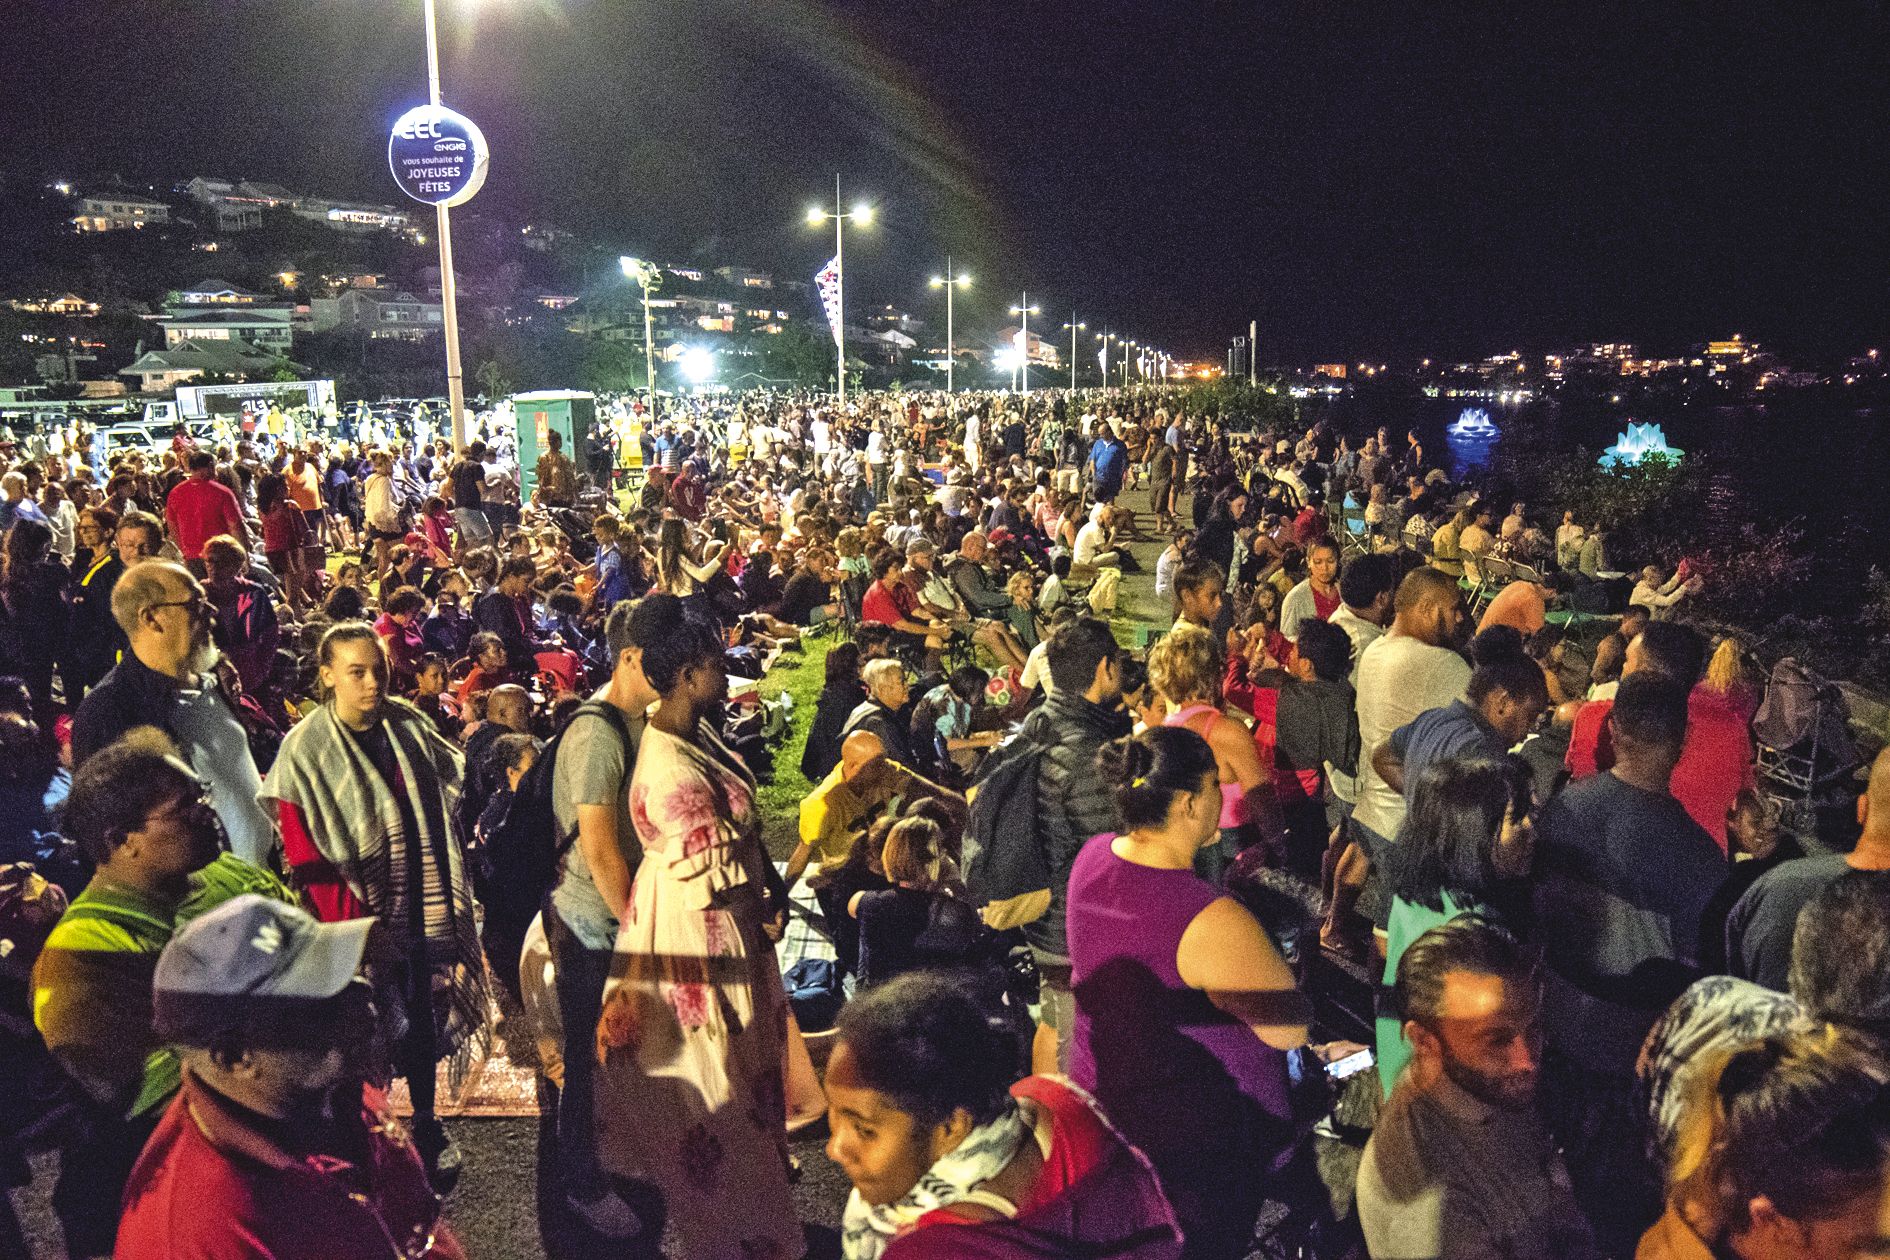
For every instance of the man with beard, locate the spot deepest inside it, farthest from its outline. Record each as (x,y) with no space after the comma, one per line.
(168,680)
(273,1146)
(1460,1163)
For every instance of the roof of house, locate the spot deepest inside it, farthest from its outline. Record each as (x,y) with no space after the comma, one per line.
(123,199)
(207,356)
(224,317)
(256,188)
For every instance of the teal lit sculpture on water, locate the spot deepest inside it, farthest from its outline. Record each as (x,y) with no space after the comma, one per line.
(1636,443)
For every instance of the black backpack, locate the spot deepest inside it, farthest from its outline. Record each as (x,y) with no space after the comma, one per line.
(1006,871)
(520,856)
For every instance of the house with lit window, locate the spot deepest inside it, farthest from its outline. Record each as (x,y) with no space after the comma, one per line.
(383,314)
(158,370)
(265,327)
(117,214)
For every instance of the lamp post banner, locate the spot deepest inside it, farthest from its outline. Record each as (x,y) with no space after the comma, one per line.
(437,156)
(827,284)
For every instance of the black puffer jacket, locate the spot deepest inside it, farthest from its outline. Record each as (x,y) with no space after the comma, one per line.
(1073,802)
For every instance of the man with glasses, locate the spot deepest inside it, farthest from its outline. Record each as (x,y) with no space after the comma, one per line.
(168,680)
(140,818)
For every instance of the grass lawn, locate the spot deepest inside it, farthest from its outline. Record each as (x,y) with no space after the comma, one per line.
(800,674)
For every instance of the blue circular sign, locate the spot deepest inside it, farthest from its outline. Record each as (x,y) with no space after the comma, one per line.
(437,156)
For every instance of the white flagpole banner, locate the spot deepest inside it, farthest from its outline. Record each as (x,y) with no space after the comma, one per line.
(827,284)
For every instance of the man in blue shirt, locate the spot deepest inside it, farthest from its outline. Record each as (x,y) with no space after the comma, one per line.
(1108,462)
(1505,697)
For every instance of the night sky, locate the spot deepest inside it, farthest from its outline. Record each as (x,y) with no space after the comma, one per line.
(1387,180)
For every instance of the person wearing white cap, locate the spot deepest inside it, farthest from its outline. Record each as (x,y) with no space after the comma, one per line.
(274,1146)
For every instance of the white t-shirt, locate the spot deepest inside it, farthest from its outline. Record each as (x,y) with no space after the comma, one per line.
(1363,634)
(1398,678)
(1037,670)
(1090,541)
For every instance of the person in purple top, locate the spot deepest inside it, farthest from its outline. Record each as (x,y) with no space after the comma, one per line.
(1185,1008)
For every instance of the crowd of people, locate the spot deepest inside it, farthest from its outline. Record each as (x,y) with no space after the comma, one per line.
(323,759)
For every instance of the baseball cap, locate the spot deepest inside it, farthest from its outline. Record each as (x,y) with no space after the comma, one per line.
(248,960)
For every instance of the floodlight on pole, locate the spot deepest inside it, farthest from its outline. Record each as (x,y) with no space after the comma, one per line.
(648,277)
(861,214)
(952,279)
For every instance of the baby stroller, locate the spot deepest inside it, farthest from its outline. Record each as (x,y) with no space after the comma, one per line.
(1805,751)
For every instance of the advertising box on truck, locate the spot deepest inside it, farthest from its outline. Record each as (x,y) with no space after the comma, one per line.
(202,402)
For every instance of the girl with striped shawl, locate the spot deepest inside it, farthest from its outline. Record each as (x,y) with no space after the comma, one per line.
(365,789)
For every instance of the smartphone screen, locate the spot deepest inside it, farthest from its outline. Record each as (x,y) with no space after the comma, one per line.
(1350,1065)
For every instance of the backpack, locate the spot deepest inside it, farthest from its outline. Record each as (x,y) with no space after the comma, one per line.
(523,849)
(815,993)
(1006,871)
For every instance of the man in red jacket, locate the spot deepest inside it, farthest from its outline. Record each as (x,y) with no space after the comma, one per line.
(200,508)
(273,1149)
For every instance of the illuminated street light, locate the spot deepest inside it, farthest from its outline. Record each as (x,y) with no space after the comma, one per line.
(1105,336)
(698,363)
(952,279)
(1025,309)
(1073,328)
(648,277)
(861,214)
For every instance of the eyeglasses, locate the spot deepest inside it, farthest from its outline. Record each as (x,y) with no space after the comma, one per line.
(198,604)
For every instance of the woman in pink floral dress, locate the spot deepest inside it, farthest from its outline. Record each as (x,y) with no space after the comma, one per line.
(689,1092)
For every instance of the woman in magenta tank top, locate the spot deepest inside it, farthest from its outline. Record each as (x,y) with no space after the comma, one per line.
(1185,1009)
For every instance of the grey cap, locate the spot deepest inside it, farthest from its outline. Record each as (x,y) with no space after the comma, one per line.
(248,955)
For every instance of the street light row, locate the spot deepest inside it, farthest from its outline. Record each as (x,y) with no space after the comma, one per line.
(647,276)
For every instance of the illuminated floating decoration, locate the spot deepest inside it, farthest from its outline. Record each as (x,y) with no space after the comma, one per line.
(1636,443)
(1473,422)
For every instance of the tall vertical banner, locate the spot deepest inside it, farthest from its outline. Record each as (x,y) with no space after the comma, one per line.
(827,284)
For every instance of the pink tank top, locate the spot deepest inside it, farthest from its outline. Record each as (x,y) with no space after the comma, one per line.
(1233,796)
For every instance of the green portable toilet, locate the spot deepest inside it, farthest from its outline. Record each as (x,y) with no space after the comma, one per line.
(539,414)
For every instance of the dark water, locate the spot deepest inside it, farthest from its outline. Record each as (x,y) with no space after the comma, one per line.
(1804,459)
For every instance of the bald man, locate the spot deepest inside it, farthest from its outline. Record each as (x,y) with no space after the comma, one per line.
(1759,930)
(1413,668)
(508,712)
(835,812)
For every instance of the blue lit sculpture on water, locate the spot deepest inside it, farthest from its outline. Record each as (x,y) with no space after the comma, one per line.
(1473,424)
(1471,439)
(1636,443)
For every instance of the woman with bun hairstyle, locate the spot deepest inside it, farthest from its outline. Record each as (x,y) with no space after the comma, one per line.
(1783,1154)
(1185,1008)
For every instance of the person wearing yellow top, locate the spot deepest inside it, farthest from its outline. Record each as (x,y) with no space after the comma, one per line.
(835,812)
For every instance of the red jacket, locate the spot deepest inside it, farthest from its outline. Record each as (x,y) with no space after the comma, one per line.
(1097,1196)
(198,511)
(1715,762)
(210,1186)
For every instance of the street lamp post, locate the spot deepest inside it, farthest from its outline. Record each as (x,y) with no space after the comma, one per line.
(1126,347)
(1073,328)
(449,290)
(952,279)
(1025,309)
(648,277)
(863,215)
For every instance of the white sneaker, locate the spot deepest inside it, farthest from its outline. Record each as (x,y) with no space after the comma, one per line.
(607,1215)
